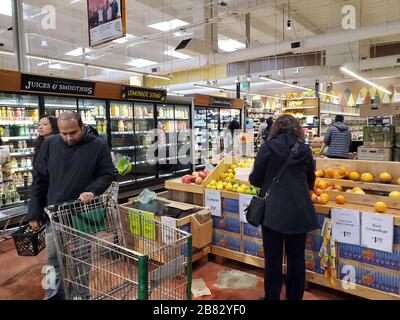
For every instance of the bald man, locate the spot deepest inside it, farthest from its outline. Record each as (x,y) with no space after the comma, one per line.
(76,164)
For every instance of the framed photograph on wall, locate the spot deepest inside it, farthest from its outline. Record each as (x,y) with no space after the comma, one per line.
(106,20)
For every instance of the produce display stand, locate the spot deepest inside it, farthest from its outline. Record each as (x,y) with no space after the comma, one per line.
(222,249)
(201,232)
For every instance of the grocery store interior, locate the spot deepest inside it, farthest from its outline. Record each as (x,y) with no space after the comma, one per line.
(163,83)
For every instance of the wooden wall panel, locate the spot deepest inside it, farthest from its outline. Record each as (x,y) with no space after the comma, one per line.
(10,81)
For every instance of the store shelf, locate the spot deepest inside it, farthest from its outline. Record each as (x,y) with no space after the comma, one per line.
(310,126)
(142,132)
(143,146)
(17,122)
(143,118)
(122,133)
(364,185)
(121,118)
(6,180)
(21,154)
(168,119)
(300,108)
(6,139)
(123,148)
(22,186)
(146,178)
(22,169)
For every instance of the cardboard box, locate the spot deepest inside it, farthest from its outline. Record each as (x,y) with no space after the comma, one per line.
(385,109)
(314,241)
(397,139)
(230,205)
(396,154)
(379,279)
(227,222)
(313,262)
(251,231)
(375,154)
(226,240)
(371,256)
(253,247)
(378,136)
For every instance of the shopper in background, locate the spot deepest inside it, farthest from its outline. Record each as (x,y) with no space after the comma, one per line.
(261,128)
(74,164)
(47,127)
(338,139)
(293,215)
(115,8)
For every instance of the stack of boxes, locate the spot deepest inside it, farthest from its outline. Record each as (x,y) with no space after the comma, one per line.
(313,244)
(396,149)
(232,234)
(382,135)
(373,268)
(378,142)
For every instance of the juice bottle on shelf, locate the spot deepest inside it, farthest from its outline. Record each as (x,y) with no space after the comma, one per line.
(120,126)
(130,112)
(104,127)
(3,114)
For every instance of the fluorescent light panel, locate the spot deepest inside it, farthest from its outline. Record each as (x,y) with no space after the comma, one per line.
(230,45)
(168,25)
(285,83)
(355,75)
(124,39)
(176,54)
(158,77)
(6,7)
(140,63)
(56,66)
(77,52)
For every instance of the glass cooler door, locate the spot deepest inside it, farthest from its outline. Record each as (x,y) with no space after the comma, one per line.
(93,112)
(19,115)
(144,122)
(200,136)
(182,119)
(56,105)
(122,136)
(166,148)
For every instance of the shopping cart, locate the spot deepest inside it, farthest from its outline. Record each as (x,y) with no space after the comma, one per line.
(105,253)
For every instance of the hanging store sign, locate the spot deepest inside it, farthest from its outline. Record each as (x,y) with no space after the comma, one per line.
(56,85)
(106,20)
(139,93)
(220,102)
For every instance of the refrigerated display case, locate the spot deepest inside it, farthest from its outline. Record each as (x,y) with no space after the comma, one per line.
(19,115)
(208,123)
(54,105)
(228,115)
(174,145)
(93,112)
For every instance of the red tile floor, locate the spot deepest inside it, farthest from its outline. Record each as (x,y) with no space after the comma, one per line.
(20,278)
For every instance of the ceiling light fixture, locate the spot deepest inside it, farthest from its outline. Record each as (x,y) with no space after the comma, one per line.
(289,24)
(157,77)
(285,83)
(168,25)
(355,75)
(229,45)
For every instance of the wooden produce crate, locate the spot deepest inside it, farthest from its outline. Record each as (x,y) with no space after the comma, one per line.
(201,231)
(363,166)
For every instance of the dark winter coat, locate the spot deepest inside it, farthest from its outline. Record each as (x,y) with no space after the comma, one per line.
(62,172)
(338,138)
(293,211)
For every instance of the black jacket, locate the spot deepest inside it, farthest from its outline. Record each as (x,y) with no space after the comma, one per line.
(63,172)
(293,211)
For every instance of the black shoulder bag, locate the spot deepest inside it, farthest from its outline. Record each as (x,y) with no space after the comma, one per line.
(255,210)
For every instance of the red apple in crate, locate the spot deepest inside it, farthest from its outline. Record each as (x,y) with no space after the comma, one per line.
(192,179)
(195,174)
(198,180)
(186,179)
(203,175)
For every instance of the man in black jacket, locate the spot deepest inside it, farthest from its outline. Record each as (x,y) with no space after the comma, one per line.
(75,164)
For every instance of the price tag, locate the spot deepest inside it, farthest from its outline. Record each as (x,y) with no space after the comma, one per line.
(168,234)
(244,201)
(346,226)
(377,231)
(213,201)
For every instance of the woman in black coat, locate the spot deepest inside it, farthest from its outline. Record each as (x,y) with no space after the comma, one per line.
(293,213)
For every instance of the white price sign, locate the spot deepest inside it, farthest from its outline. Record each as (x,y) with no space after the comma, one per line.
(244,201)
(168,235)
(377,231)
(346,226)
(213,201)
